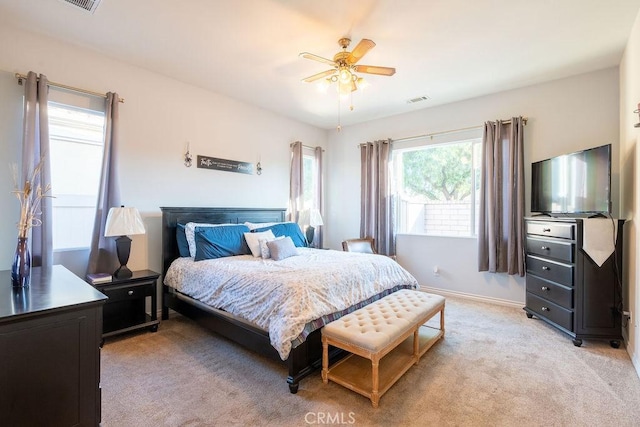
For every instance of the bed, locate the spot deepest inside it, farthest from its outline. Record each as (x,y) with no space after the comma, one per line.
(303,354)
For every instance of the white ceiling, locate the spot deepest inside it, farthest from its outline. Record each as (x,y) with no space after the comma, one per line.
(448,50)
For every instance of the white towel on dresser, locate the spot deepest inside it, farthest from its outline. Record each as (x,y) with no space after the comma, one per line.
(599,237)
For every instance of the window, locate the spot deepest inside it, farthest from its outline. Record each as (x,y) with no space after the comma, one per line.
(437,188)
(76,137)
(310,176)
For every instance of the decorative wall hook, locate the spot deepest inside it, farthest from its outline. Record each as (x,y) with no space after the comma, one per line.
(188,158)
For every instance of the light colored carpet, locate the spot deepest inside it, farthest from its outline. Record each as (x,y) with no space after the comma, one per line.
(494,367)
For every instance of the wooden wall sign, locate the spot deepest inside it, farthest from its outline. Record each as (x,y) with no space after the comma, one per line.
(206,162)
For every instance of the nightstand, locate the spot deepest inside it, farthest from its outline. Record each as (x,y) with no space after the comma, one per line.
(126,308)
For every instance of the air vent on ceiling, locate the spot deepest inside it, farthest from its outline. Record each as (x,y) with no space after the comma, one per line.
(418,99)
(88,5)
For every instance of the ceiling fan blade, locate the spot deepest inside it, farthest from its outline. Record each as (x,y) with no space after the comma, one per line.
(360,50)
(372,69)
(319,76)
(308,55)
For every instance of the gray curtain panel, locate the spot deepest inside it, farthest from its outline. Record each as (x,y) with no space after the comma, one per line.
(35,147)
(295,182)
(319,202)
(376,201)
(102,257)
(501,219)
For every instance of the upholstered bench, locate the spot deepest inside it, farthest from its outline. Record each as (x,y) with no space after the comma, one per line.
(393,328)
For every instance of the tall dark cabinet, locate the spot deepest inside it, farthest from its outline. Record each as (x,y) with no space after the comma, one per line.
(565,287)
(50,336)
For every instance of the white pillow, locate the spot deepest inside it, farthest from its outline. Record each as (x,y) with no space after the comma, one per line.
(282,248)
(265,253)
(254,225)
(253,240)
(189,232)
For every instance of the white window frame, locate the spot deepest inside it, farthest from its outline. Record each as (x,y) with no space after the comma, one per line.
(309,154)
(86,135)
(475,138)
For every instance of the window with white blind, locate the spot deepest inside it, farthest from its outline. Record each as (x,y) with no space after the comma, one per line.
(76,134)
(310,176)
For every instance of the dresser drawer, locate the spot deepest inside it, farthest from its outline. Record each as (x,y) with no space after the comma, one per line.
(553,292)
(551,229)
(553,312)
(550,270)
(556,249)
(128,291)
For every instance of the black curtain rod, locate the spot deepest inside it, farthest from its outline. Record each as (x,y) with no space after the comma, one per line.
(22,77)
(410,138)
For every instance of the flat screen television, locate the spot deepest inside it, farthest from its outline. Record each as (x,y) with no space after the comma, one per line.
(577,183)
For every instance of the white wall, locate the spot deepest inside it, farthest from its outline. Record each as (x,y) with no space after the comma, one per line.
(158,117)
(161,114)
(564,116)
(629,185)
(10,138)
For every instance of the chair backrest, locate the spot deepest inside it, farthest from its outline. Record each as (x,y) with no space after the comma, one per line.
(359,245)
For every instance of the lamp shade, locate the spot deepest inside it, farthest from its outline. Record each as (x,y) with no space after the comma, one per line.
(315,218)
(310,217)
(123,221)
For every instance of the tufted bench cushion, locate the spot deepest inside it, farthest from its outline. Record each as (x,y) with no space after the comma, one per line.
(380,328)
(375,326)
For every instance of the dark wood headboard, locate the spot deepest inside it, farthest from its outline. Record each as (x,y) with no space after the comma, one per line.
(181,215)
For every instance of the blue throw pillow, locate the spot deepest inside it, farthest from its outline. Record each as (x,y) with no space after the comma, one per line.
(218,242)
(181,239)
(290,229)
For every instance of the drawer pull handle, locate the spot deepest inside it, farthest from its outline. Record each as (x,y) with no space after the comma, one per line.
(545,288)
(545,308)
(545,248)
(544,267)
(130,292)
(546,230)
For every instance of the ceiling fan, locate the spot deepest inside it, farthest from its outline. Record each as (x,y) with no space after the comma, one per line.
(344,66)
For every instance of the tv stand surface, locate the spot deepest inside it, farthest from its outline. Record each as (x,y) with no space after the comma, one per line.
(570,216)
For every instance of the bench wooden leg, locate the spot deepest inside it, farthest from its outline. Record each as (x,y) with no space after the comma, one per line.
(325,360)
(442,320)
(416,344)
(375,395)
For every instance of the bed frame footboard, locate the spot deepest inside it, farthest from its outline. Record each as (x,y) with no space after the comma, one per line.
(302,361)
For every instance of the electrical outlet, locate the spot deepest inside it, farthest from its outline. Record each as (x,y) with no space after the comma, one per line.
(627,314)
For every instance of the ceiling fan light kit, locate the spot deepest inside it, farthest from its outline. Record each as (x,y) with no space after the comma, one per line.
(344,65)
(344,69)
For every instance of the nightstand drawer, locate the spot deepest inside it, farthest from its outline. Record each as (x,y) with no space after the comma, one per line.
(550,270)
(559,294)
(553,312)
(551,229)
(556,249)
(124,292)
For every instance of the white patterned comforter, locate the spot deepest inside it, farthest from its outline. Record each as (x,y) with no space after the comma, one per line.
(282,296)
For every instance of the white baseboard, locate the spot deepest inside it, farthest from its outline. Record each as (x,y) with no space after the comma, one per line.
(480,298)
(634,358)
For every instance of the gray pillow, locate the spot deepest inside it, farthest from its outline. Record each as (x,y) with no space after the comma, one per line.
(282,248)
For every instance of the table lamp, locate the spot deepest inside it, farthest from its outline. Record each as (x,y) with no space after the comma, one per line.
(310,218)
(122,222)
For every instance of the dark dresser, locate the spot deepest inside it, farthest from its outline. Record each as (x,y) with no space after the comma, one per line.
(565,287)
(50,350)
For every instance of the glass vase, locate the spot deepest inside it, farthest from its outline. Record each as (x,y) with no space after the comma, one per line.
(21,268)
